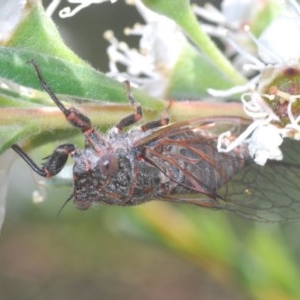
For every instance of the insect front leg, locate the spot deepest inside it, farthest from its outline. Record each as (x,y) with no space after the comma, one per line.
(74,116)
(54,163)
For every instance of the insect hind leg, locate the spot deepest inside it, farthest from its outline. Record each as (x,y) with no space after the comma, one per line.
(154,124)
(136,116)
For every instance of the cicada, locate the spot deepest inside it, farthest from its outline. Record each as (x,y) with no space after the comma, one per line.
(177,163)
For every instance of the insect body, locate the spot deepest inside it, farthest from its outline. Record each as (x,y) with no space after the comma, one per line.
(136,167)
(177,162)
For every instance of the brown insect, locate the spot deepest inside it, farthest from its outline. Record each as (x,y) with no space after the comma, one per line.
(178,163)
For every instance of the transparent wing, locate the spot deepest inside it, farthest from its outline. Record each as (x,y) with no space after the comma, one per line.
(187,154)
(270,193)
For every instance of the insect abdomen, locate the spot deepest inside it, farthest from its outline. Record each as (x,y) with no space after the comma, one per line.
(193,164)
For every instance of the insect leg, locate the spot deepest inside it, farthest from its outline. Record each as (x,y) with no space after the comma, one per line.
(135,117)
(54,163)
(155,124)
(75,117)
(164,120)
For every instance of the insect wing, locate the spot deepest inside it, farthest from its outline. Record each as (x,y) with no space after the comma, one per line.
(264,193)
(213,126)
(187,154)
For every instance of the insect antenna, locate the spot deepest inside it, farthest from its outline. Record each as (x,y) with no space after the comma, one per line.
(64,204)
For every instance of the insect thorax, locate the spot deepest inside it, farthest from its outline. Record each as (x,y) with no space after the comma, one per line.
(133,182)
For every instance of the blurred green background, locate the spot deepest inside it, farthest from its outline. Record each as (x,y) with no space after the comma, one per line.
(103,253)
(156,251)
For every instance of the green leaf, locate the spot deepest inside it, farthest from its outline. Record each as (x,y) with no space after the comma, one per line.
(38,33)
(63,76)
(193,74)
(67,78)
(181,12)
(23,116)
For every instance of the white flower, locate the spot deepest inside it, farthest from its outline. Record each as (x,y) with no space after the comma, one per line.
(280,42)
(264,144)
(228,25)
(161,44)
(263,141)
(234,14)
(239,12)
(279,46)
(11,14)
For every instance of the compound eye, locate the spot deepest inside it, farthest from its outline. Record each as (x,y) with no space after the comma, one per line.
(108,164)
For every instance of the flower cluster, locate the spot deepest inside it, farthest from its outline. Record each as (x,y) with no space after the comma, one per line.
(161,42)
(271,95)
